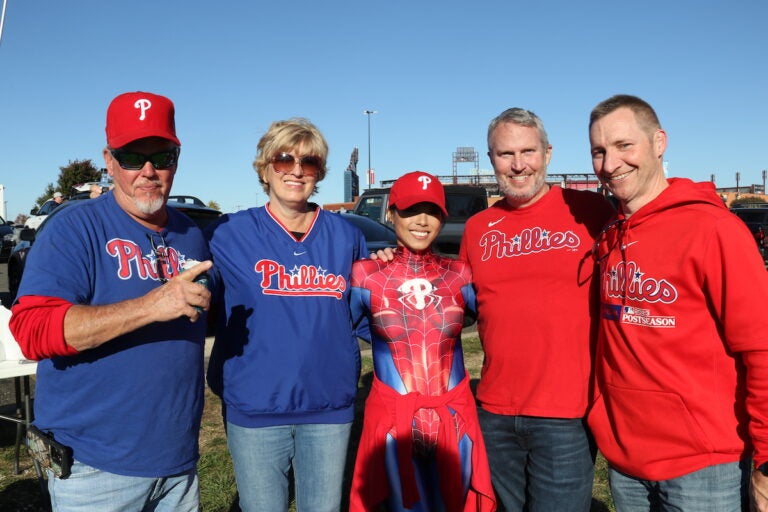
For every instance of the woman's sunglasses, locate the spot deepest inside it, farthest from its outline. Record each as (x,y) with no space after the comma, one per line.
(285,163)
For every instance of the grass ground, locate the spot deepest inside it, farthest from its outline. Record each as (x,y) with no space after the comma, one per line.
(217,483)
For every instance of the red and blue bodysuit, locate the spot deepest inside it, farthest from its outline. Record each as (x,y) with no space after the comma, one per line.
(421,448)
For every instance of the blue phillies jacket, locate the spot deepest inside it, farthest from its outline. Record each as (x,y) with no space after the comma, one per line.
(284,352)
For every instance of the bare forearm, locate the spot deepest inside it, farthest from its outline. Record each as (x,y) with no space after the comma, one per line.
(87,327)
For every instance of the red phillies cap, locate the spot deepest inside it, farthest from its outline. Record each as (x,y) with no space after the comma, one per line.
(136,115)
(417,187)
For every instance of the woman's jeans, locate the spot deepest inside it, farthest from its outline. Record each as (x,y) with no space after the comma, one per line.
(264,456)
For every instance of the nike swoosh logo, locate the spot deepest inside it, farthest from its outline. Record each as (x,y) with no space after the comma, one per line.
(494,222)
(299,253)
(631,243)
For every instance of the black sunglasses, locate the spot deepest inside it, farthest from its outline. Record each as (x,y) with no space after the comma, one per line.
(606,241)
(285,163)
(131,161)
(160,251)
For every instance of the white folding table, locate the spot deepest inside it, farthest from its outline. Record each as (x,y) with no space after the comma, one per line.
(14,366)
(19,371)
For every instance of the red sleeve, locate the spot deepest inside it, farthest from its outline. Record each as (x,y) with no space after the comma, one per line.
(757,402)
(37,323)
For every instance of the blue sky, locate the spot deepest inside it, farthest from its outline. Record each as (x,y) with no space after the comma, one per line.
(436,72)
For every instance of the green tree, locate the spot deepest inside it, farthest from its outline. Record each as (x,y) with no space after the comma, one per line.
(77,172)
(74,173)
(49,190)
(213,204)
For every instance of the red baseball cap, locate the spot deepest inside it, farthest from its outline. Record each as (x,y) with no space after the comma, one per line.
(417,187)
(136,115)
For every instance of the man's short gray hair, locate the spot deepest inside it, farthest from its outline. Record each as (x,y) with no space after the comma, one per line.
(521,117)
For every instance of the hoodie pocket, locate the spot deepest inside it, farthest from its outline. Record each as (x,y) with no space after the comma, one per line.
(647,427)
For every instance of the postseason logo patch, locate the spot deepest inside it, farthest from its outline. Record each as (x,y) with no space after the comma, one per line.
(643,317)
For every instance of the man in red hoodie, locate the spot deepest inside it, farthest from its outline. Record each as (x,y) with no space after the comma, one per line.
(681,407)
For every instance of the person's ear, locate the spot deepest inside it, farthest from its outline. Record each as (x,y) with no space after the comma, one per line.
(659,142)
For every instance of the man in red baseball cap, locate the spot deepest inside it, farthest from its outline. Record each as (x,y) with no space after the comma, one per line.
(118,328)
(141,154)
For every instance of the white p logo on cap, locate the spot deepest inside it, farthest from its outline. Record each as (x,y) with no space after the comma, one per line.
(144,105)
(425,180)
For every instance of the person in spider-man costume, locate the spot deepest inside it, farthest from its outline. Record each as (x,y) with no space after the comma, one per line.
(421,448)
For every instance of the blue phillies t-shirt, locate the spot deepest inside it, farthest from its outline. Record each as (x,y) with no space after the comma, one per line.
(133,405)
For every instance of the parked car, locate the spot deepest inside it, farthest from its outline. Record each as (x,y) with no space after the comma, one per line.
(377,235)
(38,215)
(756,219)
(462,201)
(195,210)
(8,239)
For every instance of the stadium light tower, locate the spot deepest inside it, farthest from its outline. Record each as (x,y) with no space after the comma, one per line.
(2,19)
(368,173)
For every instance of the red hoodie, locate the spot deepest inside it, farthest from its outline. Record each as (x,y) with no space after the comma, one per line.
(682,359)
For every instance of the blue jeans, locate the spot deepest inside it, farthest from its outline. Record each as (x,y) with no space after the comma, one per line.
(263,458)
(539,464)
(88,489)
(719,488)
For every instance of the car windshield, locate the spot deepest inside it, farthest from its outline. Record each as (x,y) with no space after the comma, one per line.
(370,206)
(462,206)
(48,207)
(756,215)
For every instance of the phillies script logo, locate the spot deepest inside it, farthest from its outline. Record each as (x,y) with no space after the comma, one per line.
(626,280)
(130,260)
(529,241)
(304,280)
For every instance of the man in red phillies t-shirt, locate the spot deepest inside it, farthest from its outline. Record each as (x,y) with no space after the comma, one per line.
(681,364)
(531,263)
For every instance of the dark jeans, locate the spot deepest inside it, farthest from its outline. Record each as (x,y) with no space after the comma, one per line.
(539,464)
(719,488)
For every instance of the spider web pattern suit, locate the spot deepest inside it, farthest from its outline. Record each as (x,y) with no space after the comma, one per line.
(421,447)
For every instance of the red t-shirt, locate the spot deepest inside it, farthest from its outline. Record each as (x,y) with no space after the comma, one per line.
(533,273)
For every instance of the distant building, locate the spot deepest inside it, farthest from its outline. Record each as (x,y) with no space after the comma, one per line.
(351,185)
(351,179)
(746,189)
